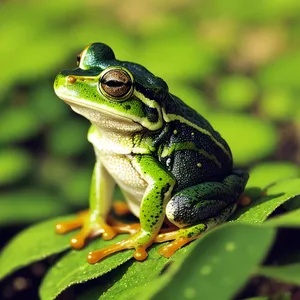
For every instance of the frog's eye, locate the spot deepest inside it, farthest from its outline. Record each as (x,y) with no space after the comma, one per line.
(78,59)
(116,83)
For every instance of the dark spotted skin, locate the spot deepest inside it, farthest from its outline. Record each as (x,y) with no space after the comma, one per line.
(206,184)
(183,163)
(208,199)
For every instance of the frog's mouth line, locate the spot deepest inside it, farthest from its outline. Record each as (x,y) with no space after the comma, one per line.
(79,103)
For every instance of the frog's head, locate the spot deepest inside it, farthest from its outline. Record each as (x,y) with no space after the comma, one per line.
(109,92)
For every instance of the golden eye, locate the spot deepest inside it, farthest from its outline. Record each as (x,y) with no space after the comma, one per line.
(78,59)
(116,83)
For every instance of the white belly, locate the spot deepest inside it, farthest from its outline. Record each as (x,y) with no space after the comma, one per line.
(127,178)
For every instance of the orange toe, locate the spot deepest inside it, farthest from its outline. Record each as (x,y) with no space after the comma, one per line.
(77,222)
(121,208)
(137,242)
(90,225)
(166,236)
(95,256)
(107,231)
(244,200)
(121,227)
(77,242)
(64,227)
(140,254)
(168,250)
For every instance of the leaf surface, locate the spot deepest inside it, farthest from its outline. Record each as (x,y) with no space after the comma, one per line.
(205,272)
(279,193)
(34,243)
(73,268)
(288,273)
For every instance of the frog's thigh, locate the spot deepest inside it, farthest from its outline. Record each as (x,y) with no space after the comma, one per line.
(205,200)
(197,203)
(185,235)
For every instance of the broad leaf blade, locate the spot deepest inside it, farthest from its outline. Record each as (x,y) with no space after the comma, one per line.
(73,268)
(267,173)
(290,219)
(277,194)
(288,273)
(42,206)
(33,244)
(139,275)
(218,266)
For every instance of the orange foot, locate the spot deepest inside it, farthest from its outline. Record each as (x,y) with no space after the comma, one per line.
(140,241)
(244,200)
(92,226)
(177,242)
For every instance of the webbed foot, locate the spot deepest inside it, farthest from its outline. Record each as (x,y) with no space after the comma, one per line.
(139,241)
(92,226)
(185,235)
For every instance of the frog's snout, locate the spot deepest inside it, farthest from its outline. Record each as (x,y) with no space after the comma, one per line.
(62,81)
(56,83)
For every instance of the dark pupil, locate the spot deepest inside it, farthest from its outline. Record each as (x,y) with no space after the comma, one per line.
(114,83)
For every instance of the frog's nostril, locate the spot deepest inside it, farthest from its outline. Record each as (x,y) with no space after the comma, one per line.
(71,79)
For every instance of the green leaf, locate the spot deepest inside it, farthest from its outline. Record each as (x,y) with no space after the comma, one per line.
(279,104)
(290,219)
(192,97)
(229,247)
(197,60)
(62,168)
(14,164)
(268,172)
(69,137)
(18,124)
(73,268)
(33,244)
(277,194)
(76,186)
(280,73)
(28,206)
(250,139)
(288,273)
(130,284)
(44,100)
(236,92)
(241,11)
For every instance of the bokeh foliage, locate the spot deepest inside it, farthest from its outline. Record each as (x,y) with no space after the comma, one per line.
(234,62)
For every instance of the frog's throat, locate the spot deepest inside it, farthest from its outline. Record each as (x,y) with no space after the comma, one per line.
(79,107)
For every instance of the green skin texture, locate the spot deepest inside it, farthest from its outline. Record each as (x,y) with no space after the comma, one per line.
(149,130)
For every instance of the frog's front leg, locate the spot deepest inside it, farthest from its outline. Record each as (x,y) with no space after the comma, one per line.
(160,184)
(94,221)
(199,208)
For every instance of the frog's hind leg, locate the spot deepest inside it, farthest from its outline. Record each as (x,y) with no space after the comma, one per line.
(185,235)
(200,208)
(204,200)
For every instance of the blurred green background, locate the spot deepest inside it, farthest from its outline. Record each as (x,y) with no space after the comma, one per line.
(236,63)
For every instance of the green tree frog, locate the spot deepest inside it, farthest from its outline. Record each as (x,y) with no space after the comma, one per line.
(168,161)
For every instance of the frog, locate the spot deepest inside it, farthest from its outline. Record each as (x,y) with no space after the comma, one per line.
(174,169)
